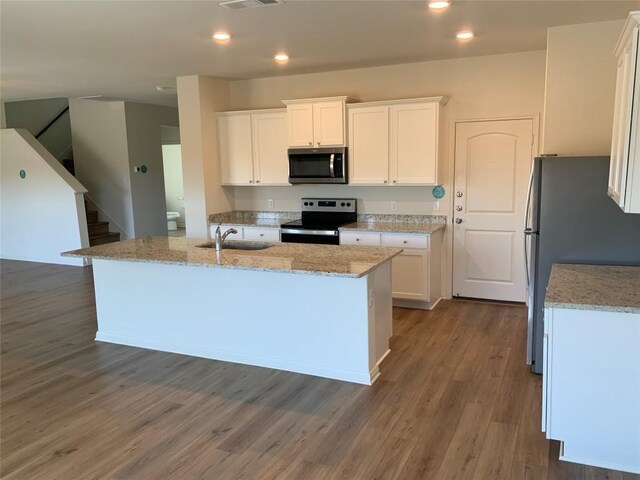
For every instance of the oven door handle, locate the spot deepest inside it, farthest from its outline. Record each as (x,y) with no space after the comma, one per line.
(331,160)
(296,231)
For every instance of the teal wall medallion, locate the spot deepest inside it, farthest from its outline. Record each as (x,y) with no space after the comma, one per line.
(438,192)
(143,169)
(22,174)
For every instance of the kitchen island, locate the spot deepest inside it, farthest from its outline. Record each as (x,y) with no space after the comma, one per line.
(317,309)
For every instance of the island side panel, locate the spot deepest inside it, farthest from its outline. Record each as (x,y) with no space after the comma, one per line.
(311,324)
(380,316)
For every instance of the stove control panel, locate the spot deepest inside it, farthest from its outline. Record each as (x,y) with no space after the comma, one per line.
(342,205)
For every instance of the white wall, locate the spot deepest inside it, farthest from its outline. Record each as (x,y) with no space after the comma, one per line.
(199,99)
(43,214)
(580,88)
(479,87)
(34,115)
(173,186)
(143,123)
(101,160)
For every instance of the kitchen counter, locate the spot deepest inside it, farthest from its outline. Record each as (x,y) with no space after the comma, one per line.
(323,310)
(594,287)
(393,227)
(328,260)
(253,218)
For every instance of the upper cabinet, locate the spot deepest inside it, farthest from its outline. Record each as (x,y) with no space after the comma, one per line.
(316,122)
(624,173)
(253,147)
(396,142)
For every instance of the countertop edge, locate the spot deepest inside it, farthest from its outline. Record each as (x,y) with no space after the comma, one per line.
(234,267)
(597,308)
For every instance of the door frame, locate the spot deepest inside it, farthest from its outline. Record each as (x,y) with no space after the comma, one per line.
(537,128)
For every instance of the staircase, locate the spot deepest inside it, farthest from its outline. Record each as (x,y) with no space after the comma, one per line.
(99,233)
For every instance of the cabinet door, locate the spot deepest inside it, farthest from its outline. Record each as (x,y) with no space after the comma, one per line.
(236,158)
(622,121)
(414,143)
(270,161)
(300,120)
(410,275)
(328,124)
(369,145)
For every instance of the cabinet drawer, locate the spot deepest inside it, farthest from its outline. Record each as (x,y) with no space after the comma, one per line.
(360,238)
(403,240)
(262,234)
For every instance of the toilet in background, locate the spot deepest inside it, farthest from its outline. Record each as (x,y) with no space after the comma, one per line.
(172,220)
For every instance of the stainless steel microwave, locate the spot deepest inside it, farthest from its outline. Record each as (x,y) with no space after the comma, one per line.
(318,165)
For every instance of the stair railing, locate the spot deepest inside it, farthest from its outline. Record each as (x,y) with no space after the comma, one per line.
(50,124)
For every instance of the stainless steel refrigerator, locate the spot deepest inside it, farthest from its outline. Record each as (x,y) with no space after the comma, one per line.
(571,219)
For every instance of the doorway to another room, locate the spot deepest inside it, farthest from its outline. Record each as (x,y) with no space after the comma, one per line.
(173,184)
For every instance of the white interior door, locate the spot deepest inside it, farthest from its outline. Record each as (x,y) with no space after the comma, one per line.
(492,165)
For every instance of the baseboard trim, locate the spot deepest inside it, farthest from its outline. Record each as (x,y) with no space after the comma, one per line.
(365,378)
(415,304)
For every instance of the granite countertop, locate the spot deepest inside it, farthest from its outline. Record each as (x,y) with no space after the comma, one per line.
(393,227)
(594,287)
(328,260)
(253,219)
(375,222)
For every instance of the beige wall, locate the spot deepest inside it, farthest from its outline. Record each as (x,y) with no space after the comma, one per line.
(580,88)
(145,148)
(199,99)
(479,87)
(101,160)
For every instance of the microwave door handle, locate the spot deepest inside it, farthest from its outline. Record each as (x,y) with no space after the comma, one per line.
(331,160)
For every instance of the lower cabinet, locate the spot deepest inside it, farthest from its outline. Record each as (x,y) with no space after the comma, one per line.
(591,386)
(249,233)
(415,273)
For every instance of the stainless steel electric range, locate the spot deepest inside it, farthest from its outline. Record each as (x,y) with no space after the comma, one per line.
(321,218)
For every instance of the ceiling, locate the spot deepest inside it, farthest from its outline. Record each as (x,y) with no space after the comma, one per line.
(124,49)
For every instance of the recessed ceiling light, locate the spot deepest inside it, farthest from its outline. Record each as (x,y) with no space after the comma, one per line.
(439,5)
(466,35)
(281,58)
(222,37)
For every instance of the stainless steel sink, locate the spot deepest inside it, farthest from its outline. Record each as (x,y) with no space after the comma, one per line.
(231,245)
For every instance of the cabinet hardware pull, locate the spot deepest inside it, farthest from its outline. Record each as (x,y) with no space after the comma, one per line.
(405,242)
(385,181)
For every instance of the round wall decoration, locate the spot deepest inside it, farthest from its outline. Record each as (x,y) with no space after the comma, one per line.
(438,192)
(22,174)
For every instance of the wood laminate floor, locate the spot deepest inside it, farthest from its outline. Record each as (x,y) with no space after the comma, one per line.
(455,401)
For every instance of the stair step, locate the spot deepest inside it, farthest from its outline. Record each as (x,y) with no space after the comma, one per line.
(98,228)
(109,237)
(92,217)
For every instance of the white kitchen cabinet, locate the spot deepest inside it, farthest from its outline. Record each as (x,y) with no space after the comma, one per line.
(624,172)
(591,386)
(396,142)
(316,122)
(415,273)
(236,154)
(248,232)
(260,234)
(253,147)
(369,145)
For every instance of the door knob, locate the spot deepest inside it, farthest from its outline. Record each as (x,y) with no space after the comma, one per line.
(459,208)
(458,194)
(458,221)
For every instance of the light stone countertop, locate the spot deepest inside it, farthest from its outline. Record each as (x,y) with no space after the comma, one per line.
(327,260)
(253,219)
(393,227)
(594,287)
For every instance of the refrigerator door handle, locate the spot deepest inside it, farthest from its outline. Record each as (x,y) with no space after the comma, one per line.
(527,229)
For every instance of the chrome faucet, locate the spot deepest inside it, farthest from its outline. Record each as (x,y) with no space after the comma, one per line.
(221,237)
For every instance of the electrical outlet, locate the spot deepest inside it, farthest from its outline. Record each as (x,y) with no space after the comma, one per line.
(394,206)
(270,203)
